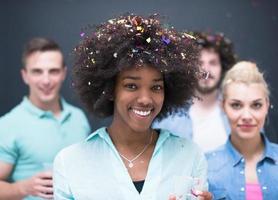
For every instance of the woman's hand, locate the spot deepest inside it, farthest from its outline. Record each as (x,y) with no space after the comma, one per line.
(204,195)
(172,197)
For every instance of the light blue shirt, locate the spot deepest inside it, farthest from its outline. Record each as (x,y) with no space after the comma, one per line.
(180,124)
(30,138)
(226,172)
(94,170)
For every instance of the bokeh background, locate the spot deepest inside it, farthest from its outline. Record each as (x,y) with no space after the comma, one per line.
(251,24)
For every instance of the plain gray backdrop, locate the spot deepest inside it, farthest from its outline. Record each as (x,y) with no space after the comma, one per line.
(251,24)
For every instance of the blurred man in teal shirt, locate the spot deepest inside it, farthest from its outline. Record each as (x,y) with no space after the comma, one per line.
(33,132)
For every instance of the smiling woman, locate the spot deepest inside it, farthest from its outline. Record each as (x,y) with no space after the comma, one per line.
(136,70)
(248,156)
(139,95)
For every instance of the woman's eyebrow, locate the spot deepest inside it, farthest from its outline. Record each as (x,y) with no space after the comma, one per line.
(131,77)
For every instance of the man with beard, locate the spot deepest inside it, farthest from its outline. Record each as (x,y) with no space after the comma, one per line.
(204,122)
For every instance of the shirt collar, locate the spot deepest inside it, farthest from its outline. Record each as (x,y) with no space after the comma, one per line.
(269,153)
(101,133)
(163,135)
(65,113)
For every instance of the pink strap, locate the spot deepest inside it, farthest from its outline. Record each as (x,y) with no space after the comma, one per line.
(253,191)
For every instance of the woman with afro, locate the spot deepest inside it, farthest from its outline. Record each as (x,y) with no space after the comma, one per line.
(133,69)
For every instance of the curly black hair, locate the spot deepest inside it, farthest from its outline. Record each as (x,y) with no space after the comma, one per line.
(133,41)
(221,44)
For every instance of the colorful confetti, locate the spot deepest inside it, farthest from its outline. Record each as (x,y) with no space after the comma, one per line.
(165,40)
(189,36)
(207,75)
(138,30)
(183,56)
(134,50)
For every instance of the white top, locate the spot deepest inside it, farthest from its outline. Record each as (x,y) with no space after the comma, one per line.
(93,170)
(208,131)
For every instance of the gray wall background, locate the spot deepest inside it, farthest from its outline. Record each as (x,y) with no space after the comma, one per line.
(251,24)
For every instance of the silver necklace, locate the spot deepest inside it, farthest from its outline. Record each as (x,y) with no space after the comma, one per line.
(130,161)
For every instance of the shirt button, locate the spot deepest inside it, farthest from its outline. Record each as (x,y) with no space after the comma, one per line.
(242,160)
(264,188)
(259,170)
(242,189)
(241,172)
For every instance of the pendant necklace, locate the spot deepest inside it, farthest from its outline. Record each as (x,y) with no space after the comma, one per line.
(130,161)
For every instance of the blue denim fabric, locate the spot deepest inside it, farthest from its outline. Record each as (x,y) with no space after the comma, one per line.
(226,172)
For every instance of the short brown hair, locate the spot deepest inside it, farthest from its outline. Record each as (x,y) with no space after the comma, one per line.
(39,44)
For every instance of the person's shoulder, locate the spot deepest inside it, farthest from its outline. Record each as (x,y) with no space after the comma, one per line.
(71,106)
(218,157)
(10,122)
(274,146)
(220,151)
(84,144)
(274,149)
(72,151)
(180,141)
(73,147)
(13,114)
(80,150)
(68,155)
(177,117)
(73,109)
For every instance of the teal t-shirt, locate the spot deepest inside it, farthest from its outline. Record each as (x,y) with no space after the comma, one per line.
(30,137)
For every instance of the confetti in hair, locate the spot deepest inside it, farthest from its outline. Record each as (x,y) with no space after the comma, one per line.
(134,41)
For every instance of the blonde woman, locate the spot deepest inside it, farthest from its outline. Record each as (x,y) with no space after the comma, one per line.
(246,166)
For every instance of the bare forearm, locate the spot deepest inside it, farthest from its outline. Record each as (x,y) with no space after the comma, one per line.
(10,191)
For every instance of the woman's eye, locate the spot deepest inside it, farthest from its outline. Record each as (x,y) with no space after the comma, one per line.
(130,86)
(236,106)
(257,105)
(157,88)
